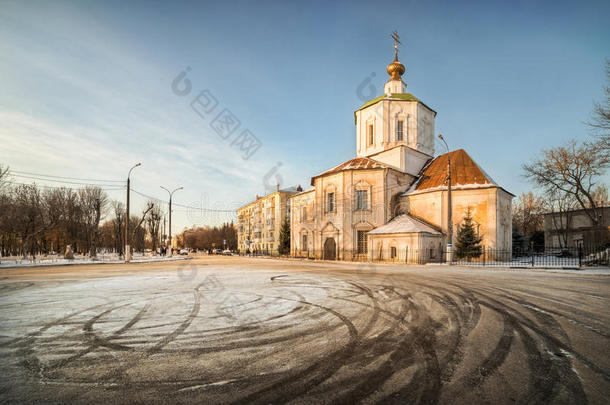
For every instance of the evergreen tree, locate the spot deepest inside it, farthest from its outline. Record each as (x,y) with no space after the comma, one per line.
(284,247)
(519,243)
(537,241)
(468,244)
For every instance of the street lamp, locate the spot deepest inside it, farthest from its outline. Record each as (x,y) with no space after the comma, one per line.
(171,193)
(127,247)
(449,207)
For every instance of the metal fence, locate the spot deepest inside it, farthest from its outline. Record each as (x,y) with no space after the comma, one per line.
(573,257)
(397,255)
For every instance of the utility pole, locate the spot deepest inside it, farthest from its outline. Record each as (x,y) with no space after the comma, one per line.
(449,206)
(163,240)
(127,248)
(170,215)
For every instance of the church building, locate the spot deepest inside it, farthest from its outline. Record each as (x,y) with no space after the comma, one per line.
(390,202)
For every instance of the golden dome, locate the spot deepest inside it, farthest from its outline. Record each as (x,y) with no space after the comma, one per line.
(396,69)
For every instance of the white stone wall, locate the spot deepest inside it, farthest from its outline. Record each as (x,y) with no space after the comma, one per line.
(425,130)
(345,221)
(418,132)
(490,207)
(410,247)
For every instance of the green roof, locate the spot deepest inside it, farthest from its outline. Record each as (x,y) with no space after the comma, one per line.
(399,96)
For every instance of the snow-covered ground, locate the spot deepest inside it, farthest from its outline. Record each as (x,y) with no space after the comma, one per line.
(55,260)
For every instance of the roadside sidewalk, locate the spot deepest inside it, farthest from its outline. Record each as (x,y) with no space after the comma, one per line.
(66,262)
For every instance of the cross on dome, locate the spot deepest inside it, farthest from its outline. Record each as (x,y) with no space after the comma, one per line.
(396,69)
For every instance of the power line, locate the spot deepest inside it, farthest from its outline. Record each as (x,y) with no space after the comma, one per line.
(148,196)
(181,205)
(65,181)
(58,187)
(63,177)
(201,208)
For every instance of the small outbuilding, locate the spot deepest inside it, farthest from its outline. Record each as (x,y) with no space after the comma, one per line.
(406,239)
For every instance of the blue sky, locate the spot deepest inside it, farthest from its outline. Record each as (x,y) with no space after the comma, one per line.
(87,86)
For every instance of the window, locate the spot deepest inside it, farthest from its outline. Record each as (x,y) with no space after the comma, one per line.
(330,202)
(304,244)
(362,246)
(303,213)
(399,130)
(393,252)
(361,200)
(371,139)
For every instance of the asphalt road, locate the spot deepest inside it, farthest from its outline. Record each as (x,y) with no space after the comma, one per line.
(260,331)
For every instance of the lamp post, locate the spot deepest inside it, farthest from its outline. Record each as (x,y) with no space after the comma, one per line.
(162,241)
(127,247)
(449,206)
(171,193)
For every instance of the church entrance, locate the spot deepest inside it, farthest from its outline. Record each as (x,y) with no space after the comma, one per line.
(330,249)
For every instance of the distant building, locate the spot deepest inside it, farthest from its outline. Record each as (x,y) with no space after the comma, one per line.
(176,242)
(259,222)
(573,228)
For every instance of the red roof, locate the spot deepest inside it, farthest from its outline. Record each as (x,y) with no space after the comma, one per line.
(359,163)
(465,173)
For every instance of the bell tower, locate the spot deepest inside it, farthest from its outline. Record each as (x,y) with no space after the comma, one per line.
(396,128)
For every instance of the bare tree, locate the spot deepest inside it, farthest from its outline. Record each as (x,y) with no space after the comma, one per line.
(153,224)
(119,223)
(93,201)
(600,195)
(528,213)
(107,239)
(138,231)
(4,171)
(573,169)
(600,123)
(58,211)
(7,222)
(31,215)
(73,218)
(562,207)
(210,237)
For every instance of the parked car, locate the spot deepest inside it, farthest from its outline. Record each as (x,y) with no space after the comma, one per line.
(184,252)
(227,252)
